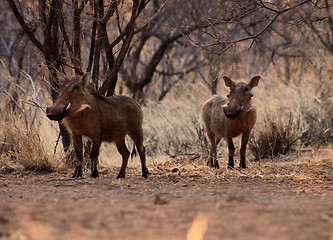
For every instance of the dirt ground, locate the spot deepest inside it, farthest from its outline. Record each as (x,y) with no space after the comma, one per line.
(284,198)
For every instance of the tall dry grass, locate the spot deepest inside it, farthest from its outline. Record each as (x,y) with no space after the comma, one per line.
(174,126)
(22,149)
(23,135)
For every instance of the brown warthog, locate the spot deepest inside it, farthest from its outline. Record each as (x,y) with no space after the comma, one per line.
(87,113)
(228,117)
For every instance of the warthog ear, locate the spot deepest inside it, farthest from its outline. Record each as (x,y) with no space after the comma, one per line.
(254,82)
(85,79)
(228,82)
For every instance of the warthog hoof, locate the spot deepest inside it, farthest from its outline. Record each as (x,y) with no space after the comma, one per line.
(121,175)
(210,162)
(78,172)
(216,164)
(242,163)
(242,166)
(145,172)
(231,164)
(94,174)
(213,163)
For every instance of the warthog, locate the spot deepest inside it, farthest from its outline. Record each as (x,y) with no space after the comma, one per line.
(228,117)
(87,113)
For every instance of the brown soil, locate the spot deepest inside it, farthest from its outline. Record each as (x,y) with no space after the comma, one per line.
(182,199)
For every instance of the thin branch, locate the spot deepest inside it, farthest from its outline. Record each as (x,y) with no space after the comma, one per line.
(35,104)
(112,8)
(152,17)
(255,36)
(24,26)
(11,98)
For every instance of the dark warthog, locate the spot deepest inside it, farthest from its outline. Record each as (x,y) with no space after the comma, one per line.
(229,117)
(87,113)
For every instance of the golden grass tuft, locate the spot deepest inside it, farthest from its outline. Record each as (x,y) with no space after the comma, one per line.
(23,150)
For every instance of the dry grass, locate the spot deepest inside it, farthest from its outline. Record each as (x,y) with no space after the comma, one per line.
(24,136)
(22,149)
(172,128)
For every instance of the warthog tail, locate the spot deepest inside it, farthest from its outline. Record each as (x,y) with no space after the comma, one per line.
(133,154)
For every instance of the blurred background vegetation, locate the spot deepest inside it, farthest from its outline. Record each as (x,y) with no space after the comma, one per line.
(170,56)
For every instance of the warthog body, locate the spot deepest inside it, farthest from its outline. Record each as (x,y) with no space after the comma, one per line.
(228,117)
(87,113)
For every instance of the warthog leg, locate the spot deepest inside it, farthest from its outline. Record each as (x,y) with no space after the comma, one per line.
(78,171)
(94,158)
(216,162)
(231,148)
(142,150)
(122,149)
(212,158)
(77,141)
(245,138)
(137,137)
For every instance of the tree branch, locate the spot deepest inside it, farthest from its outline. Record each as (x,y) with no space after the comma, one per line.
(111,80)
(24,26)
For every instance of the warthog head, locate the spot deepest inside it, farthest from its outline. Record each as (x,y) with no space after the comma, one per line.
(239,97)
(71,98)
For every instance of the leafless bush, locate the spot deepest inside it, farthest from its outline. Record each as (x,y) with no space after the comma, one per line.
(277,135)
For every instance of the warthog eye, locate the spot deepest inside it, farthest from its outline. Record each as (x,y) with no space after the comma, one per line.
(75,87)
(246,89)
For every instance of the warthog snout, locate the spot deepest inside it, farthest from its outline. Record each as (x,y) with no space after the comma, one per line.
(233,110)
(57,114)
(232,113)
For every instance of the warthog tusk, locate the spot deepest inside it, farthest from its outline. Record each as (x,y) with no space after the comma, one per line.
(68,106)
(224,105)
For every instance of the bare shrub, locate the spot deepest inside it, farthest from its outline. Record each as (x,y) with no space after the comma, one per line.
(275,136)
